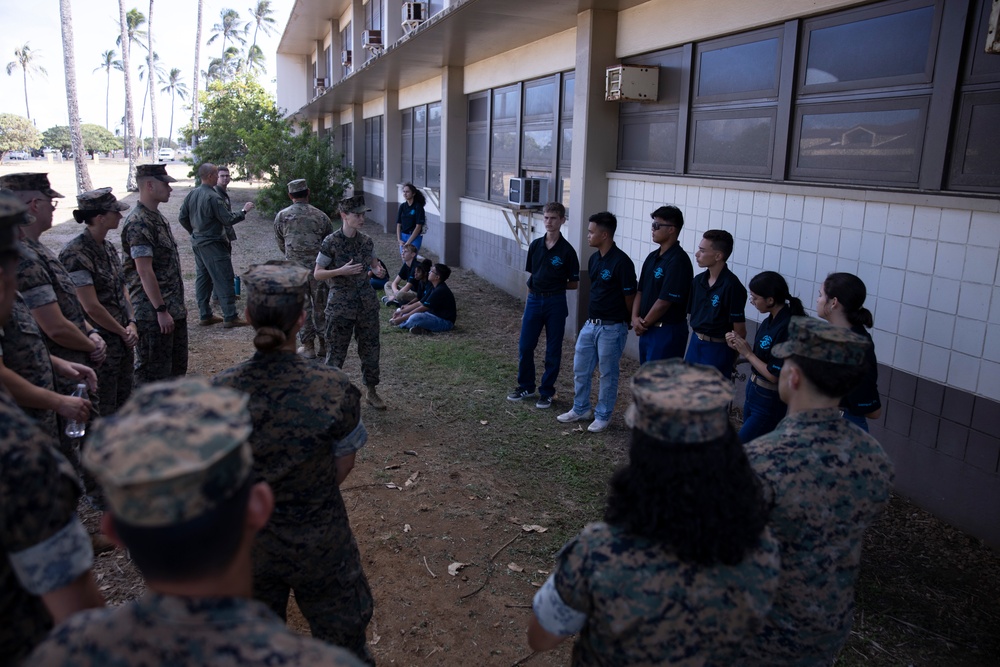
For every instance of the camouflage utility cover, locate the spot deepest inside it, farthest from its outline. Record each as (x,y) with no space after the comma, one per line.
(816,339)
(680,402)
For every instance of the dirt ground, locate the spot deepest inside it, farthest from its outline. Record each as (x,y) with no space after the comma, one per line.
(452,472)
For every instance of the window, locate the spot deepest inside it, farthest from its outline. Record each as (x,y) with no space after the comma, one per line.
(347,143)
(373,147)
(420,152)
(477,146)
(565,154)
(328,59)
(504,140)
(373,21)
(433,145)
(347,42)
(647,132)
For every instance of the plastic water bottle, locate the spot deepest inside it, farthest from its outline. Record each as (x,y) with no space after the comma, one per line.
(75,429)
(236,285)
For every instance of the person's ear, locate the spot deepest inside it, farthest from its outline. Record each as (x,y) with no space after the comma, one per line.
(259,506)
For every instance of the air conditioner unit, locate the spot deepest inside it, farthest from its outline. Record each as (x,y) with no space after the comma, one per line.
(528,192)
(414,11)
(631,83)
(320,82)
(345,58)
(372,40)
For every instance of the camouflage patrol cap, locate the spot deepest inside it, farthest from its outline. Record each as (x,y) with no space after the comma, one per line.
(100,200)
(276,282)
(157,171)
(680,402)
(355,204)
(29,182)
(174,451)
(13,212)
(298,185)
(816,339)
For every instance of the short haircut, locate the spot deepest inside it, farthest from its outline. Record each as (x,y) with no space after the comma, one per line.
(721,240)
(606,221)
(198,547)
(443,271)
(205,170)
(555,207)
(669,214)
(223,168)
(301,194)
(832,380)
(409,247)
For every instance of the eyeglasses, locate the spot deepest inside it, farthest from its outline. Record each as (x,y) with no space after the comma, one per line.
(657,225)
(51,202)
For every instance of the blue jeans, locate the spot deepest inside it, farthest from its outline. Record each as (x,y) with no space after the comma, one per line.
(860,422)
(427,321)
(706,352)
(762,411)
(548,312)
(598,346)
(666,342)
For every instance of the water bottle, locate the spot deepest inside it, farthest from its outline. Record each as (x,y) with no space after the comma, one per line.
(75,429)
(236,285)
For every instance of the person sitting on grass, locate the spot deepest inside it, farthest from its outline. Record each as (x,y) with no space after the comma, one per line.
(417,286)
(436,312)
(402,278)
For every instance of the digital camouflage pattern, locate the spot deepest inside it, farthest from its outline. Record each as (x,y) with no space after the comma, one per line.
(299,231)
(298,185)
(680,402)
(355,204)
(174,451)
(644,606)
(38,498)
(305,415)
(13,213)
(168,630)
(29,182)
(276,283)
(97,201)
(352,308)
(157,171)
(817,339)
(146,233)
(22,346)
(828,481)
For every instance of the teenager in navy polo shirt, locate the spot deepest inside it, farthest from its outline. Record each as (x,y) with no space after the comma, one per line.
(554,268)
(602,339)
(763,408)
(717,304)
(659,313)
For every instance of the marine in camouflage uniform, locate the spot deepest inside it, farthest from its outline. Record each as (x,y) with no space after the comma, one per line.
(146,233)
(306,416)
(352,308)
(633,598)
(22,347)
(299,231)
(177,453)
(829,481)
(96,263)
(43,545)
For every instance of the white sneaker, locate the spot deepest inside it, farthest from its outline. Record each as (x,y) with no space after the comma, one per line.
(571,416)
(598,425)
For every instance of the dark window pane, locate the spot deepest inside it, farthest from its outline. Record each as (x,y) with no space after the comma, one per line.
(875,48)
(419,117)
(742,68)
(505,144)
(419,174)
(539,99)
(434,115)
(500,183)
(506,103)
(433,146)
(406,117)
(477,146)
(651,143)
(479,109)
(566,148)
(737,142)
(976,160)
(419,148)
(537,147)
(881,144)
(475,182)
(569,88)
(433,175)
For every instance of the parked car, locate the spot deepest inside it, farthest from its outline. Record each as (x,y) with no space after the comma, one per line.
(18,155)
(167,154)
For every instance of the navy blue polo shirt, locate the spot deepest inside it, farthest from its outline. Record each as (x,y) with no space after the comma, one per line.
(406,270)
(551,269)
(409,216)
(715,309)
(773,330)
(668,277)
(612,278)
(864,398)
(441,302)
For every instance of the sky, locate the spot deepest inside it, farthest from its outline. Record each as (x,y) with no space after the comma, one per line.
(95,29)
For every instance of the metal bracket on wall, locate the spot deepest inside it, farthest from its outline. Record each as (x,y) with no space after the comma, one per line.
(519,220)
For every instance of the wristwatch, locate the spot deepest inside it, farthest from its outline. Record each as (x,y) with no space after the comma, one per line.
(162,308)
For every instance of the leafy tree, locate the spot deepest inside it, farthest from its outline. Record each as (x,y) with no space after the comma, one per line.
(17,133)
(58,136)
(97,139)
(108,63)
(26,59)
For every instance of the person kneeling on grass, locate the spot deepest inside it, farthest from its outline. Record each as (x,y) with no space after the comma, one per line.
(436,312)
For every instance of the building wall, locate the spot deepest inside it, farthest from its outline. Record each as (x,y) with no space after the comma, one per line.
(291,77)
(547,56)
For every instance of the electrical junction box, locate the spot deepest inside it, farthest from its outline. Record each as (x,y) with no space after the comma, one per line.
(631,83)
(528,192)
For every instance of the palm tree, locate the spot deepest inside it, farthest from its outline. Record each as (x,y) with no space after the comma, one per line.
(195,124)
(255,59)
(69,62)
(152,86)
(25,59)
(228,29)
(108,63)
(144,75)
(176,88)
(124,40)
(225,68)
(133,33)
(261,21)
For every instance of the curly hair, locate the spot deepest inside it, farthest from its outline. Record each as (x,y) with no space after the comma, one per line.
(703,500)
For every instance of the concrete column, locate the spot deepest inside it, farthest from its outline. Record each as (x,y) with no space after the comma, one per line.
(321,72)
(358,143)
(595,141)
(392,131)
(360,56)
(454,120)
(337,71)
(392,21)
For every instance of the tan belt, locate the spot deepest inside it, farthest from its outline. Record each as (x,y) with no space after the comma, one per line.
(761,382)
(709,339)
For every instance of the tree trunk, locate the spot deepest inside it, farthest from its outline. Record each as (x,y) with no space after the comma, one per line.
(24,75)
(107,103)
(197,66)
(131,185)
(152,79)
(82,175)
(170,135)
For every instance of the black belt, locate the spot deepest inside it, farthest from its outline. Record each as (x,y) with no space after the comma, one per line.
(761,382)
(545,294)
(709,339)
(598,322)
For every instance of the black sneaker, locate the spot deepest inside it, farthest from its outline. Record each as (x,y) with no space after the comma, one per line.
(519,395)
(543,402)
(420,331)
